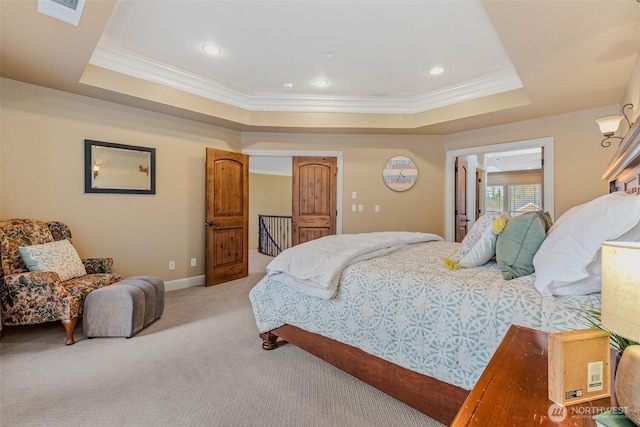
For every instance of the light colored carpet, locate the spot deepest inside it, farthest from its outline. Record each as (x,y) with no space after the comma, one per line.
(201,364)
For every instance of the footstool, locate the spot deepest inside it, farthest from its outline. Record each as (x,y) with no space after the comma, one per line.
(124,308)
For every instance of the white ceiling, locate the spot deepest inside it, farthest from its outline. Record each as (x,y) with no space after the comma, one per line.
(376,55)
(515,160)
(270,165)
(505,60)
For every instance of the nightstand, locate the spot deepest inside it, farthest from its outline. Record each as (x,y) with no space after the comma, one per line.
(513,389)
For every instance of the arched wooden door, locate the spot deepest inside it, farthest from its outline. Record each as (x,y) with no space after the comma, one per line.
(314,208)
(227,216)
(461,220)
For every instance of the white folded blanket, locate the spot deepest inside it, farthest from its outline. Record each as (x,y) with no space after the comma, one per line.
(315,267)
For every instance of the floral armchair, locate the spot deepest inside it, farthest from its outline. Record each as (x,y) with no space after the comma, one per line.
(29,297)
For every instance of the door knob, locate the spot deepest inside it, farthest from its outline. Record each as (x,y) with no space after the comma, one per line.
(211,224)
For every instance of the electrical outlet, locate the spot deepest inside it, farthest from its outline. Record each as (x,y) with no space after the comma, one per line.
(193,262)
(172,265)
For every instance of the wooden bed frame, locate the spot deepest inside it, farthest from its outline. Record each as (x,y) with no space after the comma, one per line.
(439,400)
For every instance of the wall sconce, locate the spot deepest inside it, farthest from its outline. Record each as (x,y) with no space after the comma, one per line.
(96,170)
(609,126)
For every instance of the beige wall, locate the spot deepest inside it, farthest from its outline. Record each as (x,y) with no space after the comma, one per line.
(41,172)
(268,195)
(632,94)
(579,159)
(42,134)
(419,209)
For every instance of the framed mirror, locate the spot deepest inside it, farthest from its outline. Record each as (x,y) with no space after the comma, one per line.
(119,168)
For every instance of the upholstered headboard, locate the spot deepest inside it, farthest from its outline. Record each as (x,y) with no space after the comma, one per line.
(623,173)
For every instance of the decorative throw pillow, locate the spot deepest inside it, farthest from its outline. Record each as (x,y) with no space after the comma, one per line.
(546,218)
(566,257)
(60,257)
(518,243)
(479,245)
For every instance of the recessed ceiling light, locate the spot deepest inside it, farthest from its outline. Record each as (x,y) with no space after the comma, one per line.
(320,83)
(211,49)
(287,85)
(436,70)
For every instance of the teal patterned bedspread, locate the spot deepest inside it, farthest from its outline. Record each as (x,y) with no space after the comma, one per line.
(410,309)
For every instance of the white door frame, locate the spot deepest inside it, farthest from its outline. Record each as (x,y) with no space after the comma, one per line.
(311,153)
(450,158)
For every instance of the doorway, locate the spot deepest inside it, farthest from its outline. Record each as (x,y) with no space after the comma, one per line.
(450,158)
(278,163)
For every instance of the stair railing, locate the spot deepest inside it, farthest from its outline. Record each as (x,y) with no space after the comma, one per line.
(274,234)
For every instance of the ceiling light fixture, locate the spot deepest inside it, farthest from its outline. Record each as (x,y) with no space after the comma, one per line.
(435,71)
(321,83)
(211,49)
(609,126)
(287,85)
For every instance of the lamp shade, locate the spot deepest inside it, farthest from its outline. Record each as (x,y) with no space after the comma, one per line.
(621,288)
(609,125)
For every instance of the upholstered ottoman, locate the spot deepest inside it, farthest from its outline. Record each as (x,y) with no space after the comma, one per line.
(124,308)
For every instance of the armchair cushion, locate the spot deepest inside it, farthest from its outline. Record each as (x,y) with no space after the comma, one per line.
(98,265)
(20,232)
(60,257)
(59,230)
(36,297)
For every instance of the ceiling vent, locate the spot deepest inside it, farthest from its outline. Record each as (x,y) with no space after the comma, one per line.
(68,11)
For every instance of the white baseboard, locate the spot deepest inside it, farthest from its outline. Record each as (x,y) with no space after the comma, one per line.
(188,282)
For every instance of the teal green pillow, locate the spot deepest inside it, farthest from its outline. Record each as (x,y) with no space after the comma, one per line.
(518,243)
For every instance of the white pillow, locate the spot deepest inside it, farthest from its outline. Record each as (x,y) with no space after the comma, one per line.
(593,282)
(60,257)
(479,245)
(566,263)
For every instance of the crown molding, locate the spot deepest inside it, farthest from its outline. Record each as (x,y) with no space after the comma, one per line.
(166,75)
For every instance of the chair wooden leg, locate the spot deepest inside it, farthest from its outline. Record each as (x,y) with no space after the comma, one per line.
(69,326)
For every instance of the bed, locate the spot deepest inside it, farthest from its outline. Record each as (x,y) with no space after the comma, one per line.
(418,315)
(408,324)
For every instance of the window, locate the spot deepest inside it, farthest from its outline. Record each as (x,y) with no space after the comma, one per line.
(513,199)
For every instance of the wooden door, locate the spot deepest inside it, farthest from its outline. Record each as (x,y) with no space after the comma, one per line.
(479,193)
(227,216)
(314,198)
(542,206)
(461,219)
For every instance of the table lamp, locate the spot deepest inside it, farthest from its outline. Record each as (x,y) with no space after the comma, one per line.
(621,315)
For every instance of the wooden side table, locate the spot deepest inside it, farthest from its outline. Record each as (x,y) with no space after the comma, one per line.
(513,389)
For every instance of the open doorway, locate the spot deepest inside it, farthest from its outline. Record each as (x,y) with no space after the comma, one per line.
(270,193)
(270,188)
(513,181)
(501,161)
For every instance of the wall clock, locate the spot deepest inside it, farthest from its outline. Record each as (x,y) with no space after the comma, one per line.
(400,173)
